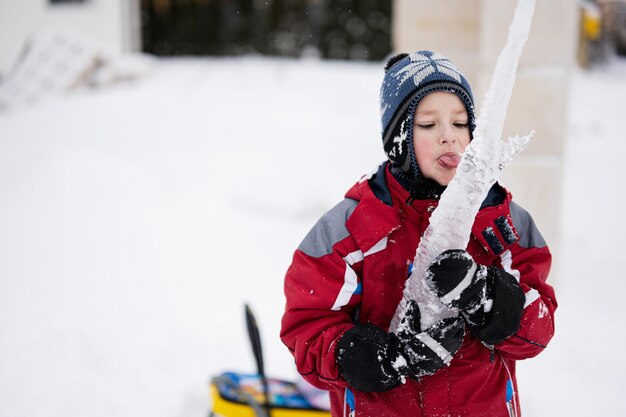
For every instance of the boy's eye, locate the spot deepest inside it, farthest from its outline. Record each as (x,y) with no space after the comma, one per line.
(424,125)
(461,125)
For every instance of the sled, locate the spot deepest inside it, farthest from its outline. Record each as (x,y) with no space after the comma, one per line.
(235,394)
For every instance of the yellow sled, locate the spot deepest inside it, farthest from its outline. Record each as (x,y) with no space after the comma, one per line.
(253,395)
(241,395)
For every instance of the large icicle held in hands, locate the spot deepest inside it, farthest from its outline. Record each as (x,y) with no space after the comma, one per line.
(481,164)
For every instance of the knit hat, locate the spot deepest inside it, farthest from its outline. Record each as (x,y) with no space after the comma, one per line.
(408,79)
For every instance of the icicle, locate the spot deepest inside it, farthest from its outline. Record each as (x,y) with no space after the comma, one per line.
(482,162)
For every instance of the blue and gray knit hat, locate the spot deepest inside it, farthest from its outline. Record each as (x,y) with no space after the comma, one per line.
(408,79)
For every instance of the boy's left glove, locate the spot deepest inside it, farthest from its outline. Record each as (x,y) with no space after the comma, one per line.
(490,299)
(372,360)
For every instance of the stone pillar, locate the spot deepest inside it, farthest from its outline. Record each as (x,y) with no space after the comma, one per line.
(472,33)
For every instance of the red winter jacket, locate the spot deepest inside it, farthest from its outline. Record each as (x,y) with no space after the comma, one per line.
(352,267)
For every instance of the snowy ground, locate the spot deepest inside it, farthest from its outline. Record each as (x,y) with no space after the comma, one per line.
(136,220)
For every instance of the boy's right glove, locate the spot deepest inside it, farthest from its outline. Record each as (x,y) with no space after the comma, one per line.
(373,360)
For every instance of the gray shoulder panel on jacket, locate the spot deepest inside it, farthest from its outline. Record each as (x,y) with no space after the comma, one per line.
(329,229)
(529,235)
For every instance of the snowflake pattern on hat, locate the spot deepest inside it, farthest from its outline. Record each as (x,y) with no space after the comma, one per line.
(421,66)
(398,142)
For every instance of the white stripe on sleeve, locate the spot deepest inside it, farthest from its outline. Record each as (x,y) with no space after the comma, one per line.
(354,257)
(349,286)
(350,281)
(380,245)
(507,264)
(531,297)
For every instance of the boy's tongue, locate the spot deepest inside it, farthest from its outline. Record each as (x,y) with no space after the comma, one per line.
(449,160)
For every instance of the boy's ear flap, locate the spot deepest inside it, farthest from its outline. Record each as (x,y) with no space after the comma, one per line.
(392,60)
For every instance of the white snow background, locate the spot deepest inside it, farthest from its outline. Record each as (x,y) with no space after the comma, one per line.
(135,221)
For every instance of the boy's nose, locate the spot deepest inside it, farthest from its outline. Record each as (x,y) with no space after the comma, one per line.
(447,136)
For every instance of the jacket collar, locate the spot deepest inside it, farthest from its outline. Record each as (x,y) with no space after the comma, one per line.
(382,200)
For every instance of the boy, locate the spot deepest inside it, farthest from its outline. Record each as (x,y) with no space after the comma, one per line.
(348,274)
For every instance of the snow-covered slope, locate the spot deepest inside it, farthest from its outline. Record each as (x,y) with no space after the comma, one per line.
(136,220)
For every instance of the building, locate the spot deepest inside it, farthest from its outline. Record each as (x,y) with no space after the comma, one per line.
(113,23)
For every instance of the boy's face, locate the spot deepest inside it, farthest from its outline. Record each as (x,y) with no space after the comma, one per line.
(440,134)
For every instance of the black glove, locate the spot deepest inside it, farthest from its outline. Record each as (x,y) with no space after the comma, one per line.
(373,360)
(428,351)
(490,299)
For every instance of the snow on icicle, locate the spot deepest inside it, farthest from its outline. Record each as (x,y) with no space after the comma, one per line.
(481,164)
